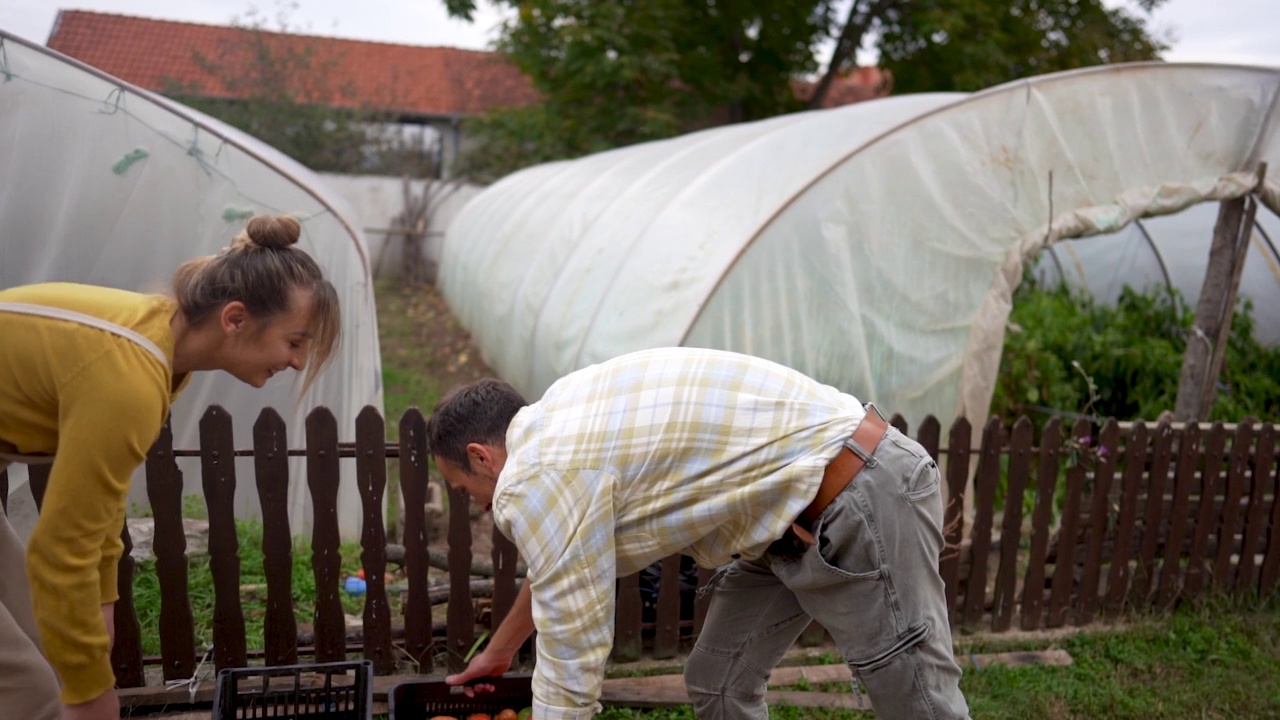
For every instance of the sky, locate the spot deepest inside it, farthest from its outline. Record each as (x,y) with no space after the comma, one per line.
(1229,31)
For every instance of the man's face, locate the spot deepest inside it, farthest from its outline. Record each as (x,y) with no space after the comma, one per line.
(479,483)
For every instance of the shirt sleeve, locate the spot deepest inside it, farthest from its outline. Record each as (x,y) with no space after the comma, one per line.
(109,415)
(563,523)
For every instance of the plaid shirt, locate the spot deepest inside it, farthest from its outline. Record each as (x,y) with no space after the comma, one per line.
(657,452)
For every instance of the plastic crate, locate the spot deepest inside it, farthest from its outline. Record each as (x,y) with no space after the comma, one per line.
(323,691)
(425,699)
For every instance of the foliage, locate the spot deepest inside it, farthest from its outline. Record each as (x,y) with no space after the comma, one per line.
(615,73)
(1060,344)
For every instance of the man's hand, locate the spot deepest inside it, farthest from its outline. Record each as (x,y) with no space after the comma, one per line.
(104,707)
(487,664)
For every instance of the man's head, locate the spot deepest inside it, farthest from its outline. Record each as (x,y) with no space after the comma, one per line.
(467,435)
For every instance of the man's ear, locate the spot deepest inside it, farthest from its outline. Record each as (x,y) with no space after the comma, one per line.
(234,317)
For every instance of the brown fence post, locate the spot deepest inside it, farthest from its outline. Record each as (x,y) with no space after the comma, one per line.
(1184,477)
(38,482)
(1099,513)
(1255,517)
(666,626)
(505,559)
(126,652)
(702,602)
(461,613)
(371,477)
(1152,522)
(1270,571)
(1033,588)
(177,626)
(413,488)
(1064,565)
(958,442)
(975,592)
(627,641)
(271,472)
(1120,574)
(1241,448)
(326,560)
(218,475)
(1198,563)
(1011,530)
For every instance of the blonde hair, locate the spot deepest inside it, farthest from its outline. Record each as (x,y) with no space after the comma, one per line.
(260,269)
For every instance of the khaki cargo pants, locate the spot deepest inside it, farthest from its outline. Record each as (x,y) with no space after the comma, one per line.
(29,687)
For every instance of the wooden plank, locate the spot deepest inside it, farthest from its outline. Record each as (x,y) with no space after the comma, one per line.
(929,435)
(1171,581)
(1241,448)
(38,482)
(703,600)
(1255,515)
(1033,588)
(126,652)
(1198,568)
(218,476)
(371,478)
(1099,515)
(987,478)
(1064,566)
(1269,574)
(164,492)
(413,488)
(1120,574)
(958,442)
(505,560)
(271,473)
(1011,529)
(326,560)
(666,631)
(627,641)
(1157,478)
(461,613)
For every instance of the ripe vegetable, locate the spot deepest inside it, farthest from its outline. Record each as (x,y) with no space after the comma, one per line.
(506,714)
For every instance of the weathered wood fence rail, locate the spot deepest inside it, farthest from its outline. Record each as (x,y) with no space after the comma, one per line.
(1062,531)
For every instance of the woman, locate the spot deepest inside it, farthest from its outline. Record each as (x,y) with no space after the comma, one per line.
(87,376)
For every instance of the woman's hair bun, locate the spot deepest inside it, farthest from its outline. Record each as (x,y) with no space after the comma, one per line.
(273,231)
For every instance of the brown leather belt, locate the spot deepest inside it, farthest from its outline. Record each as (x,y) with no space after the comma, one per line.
(846,465)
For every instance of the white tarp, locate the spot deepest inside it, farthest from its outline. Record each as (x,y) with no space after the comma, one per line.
(874,246)
(104,183)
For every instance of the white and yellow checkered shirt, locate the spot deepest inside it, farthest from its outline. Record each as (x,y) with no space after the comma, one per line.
(662,451)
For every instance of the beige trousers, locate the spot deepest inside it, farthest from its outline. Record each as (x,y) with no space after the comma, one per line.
(28,685)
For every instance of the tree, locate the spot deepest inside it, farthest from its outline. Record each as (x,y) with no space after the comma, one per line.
(616,72)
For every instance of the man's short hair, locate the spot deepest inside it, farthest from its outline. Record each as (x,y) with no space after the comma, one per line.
(477,412)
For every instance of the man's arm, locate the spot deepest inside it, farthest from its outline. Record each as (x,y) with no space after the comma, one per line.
(496,657)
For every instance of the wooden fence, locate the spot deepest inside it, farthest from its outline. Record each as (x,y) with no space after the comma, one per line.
(1062,532)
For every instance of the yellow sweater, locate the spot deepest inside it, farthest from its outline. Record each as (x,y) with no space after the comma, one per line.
(97,400)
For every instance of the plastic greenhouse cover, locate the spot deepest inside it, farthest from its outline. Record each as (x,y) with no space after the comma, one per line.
(108,184)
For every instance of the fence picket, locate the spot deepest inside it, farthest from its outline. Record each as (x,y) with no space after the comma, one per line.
(38,482)
(1270,571)
(928,436)
(505,558)
(271,472)
(1241,448)
(1064,565)
(1120,574)
(326,561)
(413,488)
(1099,516)
(461,613)
(371,478)
(958,440)
(627,641)
(1255,518)
(1171,572)
(666,630)
(126,651)
(1198,567)
(1152,524)
(1033,588)
(702,601)
(975,593)
(1011,530)
(218,476)
(169,543)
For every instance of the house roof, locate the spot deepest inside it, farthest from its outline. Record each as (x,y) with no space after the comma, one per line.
(162,55)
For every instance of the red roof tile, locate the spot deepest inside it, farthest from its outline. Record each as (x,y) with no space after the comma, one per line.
(405,79)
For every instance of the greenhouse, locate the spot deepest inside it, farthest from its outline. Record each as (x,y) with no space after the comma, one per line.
(104,183)
(874,246)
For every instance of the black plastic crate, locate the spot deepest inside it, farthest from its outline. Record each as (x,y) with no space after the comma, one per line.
(319,691)
(425,699)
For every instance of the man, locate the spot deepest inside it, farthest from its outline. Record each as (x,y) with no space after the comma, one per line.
(817,509)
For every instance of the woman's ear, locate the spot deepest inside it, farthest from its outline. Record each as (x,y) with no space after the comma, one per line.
(233,318)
